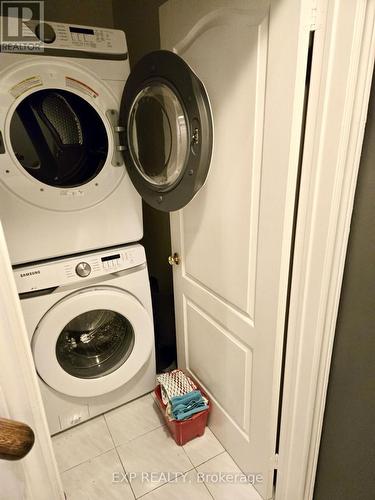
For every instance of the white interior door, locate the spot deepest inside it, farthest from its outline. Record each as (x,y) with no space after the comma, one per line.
(35,477)
(234,238)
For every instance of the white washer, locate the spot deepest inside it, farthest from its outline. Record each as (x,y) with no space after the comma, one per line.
(69,127)
(89,319)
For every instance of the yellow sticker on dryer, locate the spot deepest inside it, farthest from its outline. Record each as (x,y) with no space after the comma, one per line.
(25,85)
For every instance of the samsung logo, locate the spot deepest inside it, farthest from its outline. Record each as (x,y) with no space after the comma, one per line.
(30,273)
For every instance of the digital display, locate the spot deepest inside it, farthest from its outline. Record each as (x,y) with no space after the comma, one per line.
(84,31)
(111,257)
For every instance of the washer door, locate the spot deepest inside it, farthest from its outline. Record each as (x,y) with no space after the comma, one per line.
(167,130)
(92,342)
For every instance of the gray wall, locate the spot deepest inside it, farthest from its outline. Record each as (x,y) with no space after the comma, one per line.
(90,12)
(140,21)
(346,467)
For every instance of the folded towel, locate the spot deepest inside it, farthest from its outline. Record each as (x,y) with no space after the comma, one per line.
(183,407)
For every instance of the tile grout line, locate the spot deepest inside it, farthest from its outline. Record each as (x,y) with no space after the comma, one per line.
(209,492)
(164,484)
(126,474)
(109,430)
(132,439)
(84,461)
(187,455)
(118,455)
(186,472)
(211,458)
(91,457)
(230,456)
(139,436)
(197,471)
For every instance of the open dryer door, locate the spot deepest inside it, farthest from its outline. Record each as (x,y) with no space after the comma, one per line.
(166,130)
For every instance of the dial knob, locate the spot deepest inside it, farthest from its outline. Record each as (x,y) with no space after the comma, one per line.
(83,269)
(45,33)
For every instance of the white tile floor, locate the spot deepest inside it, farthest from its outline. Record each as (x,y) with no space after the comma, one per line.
(95,457)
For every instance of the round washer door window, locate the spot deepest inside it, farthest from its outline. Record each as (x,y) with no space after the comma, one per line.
(58,138)
(95,343)
(92,342)
(158,109)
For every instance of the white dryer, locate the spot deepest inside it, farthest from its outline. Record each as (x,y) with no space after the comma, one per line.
(68,128)
(63,186)
(89,319)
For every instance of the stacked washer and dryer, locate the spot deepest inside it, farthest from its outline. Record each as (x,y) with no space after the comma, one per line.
(64,192)
(79,136)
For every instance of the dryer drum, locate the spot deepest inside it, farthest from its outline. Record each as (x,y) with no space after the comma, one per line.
(59,138)
(62,119)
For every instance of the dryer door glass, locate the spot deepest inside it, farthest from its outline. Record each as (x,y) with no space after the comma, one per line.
(159,154)
(58,138)
(95,343)
(167,131)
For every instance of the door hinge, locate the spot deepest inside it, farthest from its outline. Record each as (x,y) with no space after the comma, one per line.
(113,118)
(275,460)
(313,18)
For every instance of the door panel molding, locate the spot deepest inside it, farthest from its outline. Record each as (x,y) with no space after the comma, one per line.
(242,365)
(241,297)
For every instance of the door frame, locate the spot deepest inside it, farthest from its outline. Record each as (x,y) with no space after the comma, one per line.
(36,477)
(342,69)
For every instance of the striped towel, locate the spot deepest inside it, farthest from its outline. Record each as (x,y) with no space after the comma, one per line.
(174,383)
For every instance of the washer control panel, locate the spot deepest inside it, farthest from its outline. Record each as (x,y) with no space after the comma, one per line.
(77,269)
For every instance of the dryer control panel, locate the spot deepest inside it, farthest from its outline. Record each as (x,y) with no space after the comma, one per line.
(48,35)
(60,35)
(69,271)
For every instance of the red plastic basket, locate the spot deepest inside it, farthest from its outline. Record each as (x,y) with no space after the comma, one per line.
(184,430)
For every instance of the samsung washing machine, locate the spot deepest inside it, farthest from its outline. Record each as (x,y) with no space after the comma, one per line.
(78,131)
(89,319)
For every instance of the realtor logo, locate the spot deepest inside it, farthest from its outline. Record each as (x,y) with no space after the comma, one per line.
(19,21)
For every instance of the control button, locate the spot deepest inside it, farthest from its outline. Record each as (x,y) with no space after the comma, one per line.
(83,269)
(45,33)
